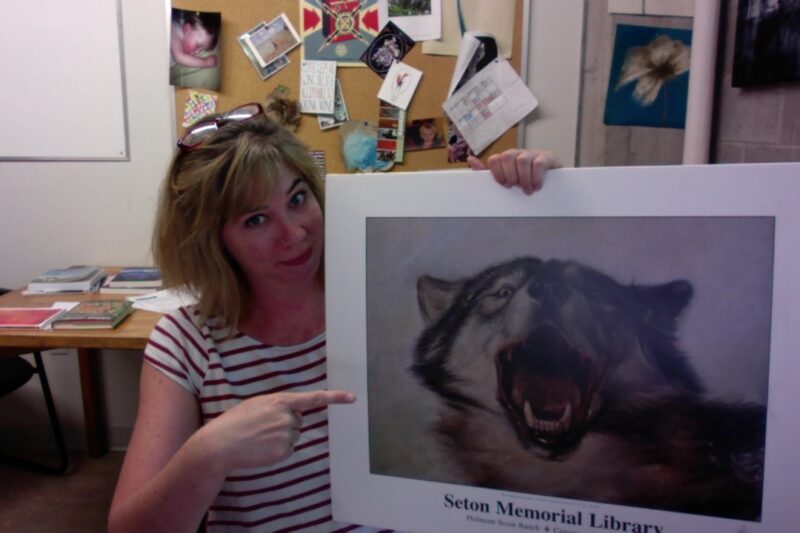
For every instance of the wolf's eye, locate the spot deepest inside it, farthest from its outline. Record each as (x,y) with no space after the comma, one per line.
(504,292)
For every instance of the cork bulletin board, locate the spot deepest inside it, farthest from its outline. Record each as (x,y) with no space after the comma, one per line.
(240,83)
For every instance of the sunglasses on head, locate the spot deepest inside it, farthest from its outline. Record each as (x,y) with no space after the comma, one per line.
(200,132)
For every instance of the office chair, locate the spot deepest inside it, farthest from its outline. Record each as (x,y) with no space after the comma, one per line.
(14,373)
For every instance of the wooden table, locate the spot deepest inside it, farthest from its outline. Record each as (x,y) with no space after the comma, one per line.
(132,334)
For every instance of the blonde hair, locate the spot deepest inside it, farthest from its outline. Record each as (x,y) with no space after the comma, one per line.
(230,174)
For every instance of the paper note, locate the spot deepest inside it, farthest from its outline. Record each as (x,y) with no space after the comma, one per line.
(490,103)
(317,86)
(400,83)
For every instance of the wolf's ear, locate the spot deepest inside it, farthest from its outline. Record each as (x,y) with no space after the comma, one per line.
(435,296)
(672,297)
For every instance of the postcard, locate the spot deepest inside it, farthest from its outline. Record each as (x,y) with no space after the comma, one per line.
(269,41)
(614,353)
(391,44)
(317,86)
(420,19)
(400,84)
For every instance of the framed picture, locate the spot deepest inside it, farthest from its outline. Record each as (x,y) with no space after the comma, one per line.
(267,43)
(767,48)
(614,353)
(649,80)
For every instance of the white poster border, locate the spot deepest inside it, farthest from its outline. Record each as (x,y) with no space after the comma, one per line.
(717,190)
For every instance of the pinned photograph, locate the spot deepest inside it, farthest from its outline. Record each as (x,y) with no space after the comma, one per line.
(339,116)
(425,134)
(649,81)
(197,106)
(420,19)
(391,44)
(194,49)
(268,42)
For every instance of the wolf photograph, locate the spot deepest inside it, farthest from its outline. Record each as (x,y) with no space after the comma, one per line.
(613,360)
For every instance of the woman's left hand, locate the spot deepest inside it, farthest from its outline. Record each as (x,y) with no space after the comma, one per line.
(525,168)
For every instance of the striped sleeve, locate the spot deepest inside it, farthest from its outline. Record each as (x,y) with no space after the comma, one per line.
(178,348)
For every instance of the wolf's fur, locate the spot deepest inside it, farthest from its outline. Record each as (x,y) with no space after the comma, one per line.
(557,380)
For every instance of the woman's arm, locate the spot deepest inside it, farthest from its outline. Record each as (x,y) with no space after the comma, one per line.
(168,480)
(525,168)
(173,470)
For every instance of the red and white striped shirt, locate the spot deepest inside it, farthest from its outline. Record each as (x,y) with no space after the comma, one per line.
(220,372)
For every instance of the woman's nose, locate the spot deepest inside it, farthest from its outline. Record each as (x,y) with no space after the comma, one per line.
(291,233)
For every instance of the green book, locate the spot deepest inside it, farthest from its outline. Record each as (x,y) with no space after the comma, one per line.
(95,314)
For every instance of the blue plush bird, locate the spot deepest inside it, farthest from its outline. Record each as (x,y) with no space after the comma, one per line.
(360,147)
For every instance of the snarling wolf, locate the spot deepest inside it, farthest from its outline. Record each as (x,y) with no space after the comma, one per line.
(558,380)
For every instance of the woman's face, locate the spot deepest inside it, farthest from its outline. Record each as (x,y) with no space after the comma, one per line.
(280,243)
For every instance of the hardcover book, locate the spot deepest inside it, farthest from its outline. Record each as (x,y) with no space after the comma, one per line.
(83,278)
(136,277)
(95,314)
(27,317)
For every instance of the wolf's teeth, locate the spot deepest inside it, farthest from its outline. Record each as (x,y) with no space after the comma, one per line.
(547,426)
(529,418)
(566,418)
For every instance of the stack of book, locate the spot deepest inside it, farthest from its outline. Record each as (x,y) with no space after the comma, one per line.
(72,279)
(133,280)
(94,314)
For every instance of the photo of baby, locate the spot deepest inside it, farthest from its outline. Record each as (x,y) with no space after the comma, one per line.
(425,134)
(194,53)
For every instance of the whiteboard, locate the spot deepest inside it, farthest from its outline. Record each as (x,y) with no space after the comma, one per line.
(63,83)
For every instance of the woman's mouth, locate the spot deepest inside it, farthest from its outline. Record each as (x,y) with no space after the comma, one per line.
(299,260)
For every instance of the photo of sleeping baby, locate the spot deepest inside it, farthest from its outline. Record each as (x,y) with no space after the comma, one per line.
(194,49)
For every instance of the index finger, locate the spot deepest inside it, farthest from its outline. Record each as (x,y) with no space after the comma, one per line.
(303,401)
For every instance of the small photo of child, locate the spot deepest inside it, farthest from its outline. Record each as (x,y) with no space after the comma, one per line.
(194,52)
(425,134)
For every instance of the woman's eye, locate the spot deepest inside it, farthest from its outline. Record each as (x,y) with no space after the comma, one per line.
(299,198)
(255,221)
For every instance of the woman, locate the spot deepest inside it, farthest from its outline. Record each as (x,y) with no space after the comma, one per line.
(233,413)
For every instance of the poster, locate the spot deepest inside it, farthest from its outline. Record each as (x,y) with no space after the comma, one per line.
(649,80)
(614,353)
(338,30)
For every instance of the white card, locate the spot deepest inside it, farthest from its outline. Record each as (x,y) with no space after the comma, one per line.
(400,84)
(317,86)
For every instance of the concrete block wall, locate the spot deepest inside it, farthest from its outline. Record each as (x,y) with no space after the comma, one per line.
(757,124)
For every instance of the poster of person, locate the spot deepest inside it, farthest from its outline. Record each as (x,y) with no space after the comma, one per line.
(767,48)
(605,355)
(338,30)
(194,49)
(649,80)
